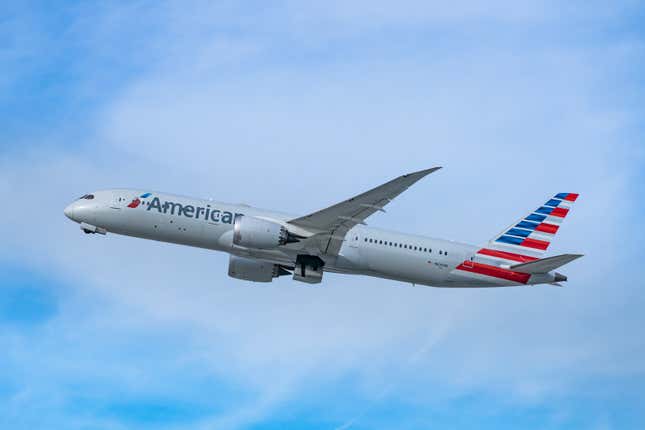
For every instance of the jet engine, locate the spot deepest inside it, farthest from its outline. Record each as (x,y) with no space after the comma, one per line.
(249,269)
(258,233)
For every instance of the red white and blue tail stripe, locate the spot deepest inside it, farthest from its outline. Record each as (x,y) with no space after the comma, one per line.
(523,242)
(532,235)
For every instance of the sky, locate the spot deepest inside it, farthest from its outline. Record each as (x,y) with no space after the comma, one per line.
(295,106)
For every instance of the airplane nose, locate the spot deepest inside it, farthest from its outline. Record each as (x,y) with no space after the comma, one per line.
(69,212)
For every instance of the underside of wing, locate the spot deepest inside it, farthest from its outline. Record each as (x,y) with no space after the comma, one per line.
(330,225)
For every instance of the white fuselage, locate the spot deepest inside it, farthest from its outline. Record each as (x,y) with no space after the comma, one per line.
(209,224)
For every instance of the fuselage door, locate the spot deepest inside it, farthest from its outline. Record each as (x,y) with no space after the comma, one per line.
(119,200)
(353,240)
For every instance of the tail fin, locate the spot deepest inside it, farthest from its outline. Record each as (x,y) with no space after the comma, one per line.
(528,239)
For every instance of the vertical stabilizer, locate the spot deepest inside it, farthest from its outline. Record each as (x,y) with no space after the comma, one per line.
(532,235)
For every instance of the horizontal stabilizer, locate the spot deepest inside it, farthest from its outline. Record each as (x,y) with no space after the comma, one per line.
(545,265)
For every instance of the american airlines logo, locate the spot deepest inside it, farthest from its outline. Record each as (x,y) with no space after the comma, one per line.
(189,211)
(136,202)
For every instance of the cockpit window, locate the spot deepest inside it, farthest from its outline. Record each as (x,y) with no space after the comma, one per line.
(87,197)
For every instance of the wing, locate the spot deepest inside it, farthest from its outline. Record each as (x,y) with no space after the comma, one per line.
(331,224)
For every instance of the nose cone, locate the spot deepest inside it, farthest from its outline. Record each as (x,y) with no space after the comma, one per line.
(69,212)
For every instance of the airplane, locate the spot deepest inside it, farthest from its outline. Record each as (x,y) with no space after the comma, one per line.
(264,244)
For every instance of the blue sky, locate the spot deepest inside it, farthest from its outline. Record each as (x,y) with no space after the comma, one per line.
(262,102)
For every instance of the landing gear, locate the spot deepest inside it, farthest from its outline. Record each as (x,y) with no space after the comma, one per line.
(309,269)
(92,229)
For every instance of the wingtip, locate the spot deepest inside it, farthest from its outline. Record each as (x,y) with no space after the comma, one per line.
(425,172)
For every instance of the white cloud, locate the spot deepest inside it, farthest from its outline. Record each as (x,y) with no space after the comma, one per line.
(511,127)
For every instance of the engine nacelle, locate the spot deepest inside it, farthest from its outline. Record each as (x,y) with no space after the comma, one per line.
(258,233)
(249,269)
